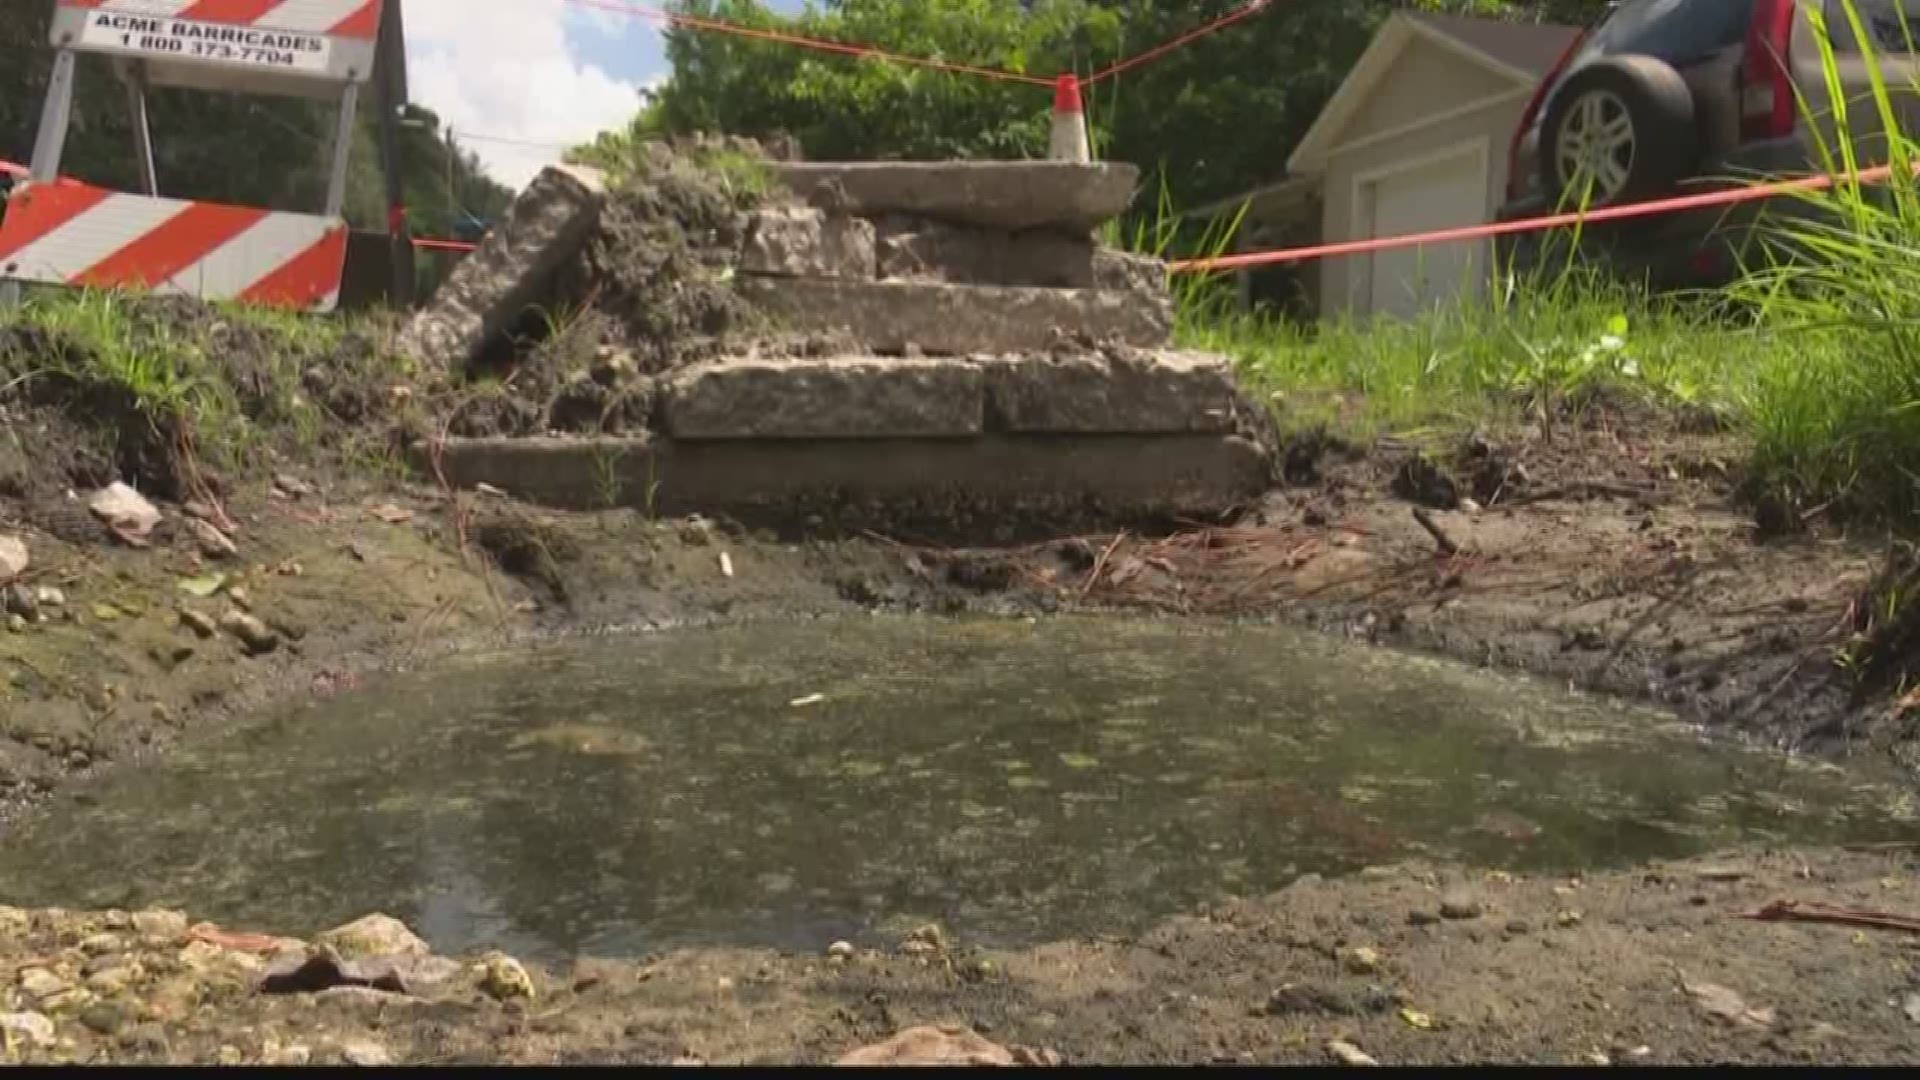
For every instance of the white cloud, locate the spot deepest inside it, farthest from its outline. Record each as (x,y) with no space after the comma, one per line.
(504,68)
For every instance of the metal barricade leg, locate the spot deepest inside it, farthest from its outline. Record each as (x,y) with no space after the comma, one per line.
(51,142)
(135,76)
(342,150)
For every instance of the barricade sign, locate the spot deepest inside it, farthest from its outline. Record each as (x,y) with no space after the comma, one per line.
(59,232)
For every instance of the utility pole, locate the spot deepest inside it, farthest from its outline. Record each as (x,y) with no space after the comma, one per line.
(392,95)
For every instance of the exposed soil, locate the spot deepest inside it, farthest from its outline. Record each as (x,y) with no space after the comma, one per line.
(1405,964)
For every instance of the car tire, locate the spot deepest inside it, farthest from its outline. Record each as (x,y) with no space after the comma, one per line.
(1658,106)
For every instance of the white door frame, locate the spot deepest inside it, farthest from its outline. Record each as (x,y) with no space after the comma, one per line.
(1365,190)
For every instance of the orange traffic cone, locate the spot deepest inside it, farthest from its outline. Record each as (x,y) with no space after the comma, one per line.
(1069,123)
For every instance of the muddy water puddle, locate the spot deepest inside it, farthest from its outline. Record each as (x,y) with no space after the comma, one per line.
(791,784)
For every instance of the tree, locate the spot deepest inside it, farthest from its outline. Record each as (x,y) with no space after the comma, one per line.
(1212,119)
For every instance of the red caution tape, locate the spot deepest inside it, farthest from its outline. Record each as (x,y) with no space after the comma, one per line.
(1252,8)
(1621,212)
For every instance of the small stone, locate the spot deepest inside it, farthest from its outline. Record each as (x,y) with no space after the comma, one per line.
(1597,1058)
(1346,1053)
(105,1018)
(1363,961)
(13,557)
(17,624)
(112,980)
(295,1055)
(841,949)
(254,635)
(125,512)
(928,938)
(160,924)
(241,598)
(148,1038)
(365,1053)
(98,944)
(1422,917)
(374,935)
(48,596)
(31,1027)
(40,983)
(1461,906)
(19,600)
(212,543)
(504,978)
(200,623)
(230,1055)
(292,485)
(1568,919)
(1519,926)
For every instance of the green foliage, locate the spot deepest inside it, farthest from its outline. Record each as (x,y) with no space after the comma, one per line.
(1215,118)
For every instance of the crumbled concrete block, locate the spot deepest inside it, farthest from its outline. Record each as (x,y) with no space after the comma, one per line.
(800,242)
(922,249)
(1011,196)
(848,398)
(1126,393)
(960,320)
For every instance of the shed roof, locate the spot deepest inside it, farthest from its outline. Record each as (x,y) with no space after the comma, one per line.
(1520,53)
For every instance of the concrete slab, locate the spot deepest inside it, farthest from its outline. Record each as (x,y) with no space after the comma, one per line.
(799,242)
(845,398)
(1007,195)
(992,488)
(1143,393)
(959,320)
(920,249)
(490,288)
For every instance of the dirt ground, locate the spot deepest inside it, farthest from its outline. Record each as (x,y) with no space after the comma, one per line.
(1405,964)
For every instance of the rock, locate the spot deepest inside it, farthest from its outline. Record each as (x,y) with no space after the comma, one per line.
(1910,1005)
(1519,926)
(38,982)
(105,1017)
(256,636)
(959,320)
(212,543)
(1363,961)
(17,624)
(804,242)
(374,935)
(844,398)
(31,1027)
(146,1038)
(20,600)
(1566,920)
(292,485)
(491,287)
(158,924)
(1348,1054)
(295,1055)
(125,512)
(1461,906)
(365,1053)
(13,557)
(201,624)
(948,1044)
(48,596)
(1123,393)
(504,978)
(1313,998)
(841,949)
(1727,1006)
(1422,917)
(321,970)
(1011,196)
(102,943)
(927,938)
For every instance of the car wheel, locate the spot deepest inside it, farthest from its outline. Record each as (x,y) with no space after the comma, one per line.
(1617,130)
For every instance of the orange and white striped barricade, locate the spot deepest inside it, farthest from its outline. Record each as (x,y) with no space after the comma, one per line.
(63,233)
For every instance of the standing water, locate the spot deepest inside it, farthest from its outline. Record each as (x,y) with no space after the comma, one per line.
(790,784)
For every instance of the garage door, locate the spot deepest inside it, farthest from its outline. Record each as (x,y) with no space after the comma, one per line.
(1442,193)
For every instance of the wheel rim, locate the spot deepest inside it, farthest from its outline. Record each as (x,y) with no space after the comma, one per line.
(1597,146)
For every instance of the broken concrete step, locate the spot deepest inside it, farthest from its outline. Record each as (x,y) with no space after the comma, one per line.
(1006,195)
(1142,393)
(800,242)
(489,288)
(847,398)
(957,320)
(993,487)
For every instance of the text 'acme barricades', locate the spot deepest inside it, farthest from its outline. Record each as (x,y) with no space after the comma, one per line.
(60,232)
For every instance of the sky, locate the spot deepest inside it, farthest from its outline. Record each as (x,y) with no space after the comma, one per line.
(550,73)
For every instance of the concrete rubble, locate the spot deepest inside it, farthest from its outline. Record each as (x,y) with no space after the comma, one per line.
(985,359)
(489,289)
